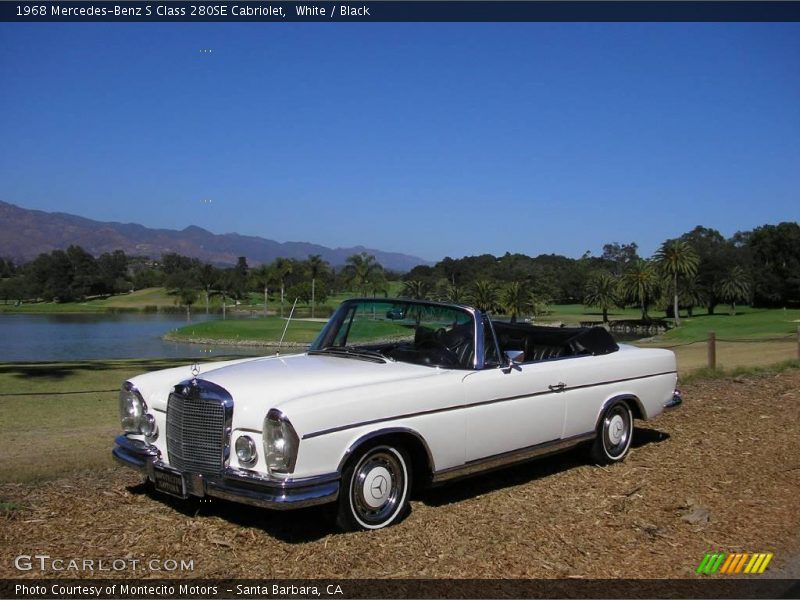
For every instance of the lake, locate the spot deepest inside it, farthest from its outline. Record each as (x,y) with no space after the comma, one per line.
(57,337)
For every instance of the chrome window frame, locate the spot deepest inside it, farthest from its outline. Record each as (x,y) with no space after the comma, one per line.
(337,321)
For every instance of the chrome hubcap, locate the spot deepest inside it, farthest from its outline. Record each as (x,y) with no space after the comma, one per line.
(617,431)
(378,487)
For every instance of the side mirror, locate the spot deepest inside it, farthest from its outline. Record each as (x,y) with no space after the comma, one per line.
(514,358)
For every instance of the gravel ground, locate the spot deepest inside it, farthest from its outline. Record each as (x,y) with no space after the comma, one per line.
(720,473)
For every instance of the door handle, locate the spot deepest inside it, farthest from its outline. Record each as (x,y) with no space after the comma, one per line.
(557,387)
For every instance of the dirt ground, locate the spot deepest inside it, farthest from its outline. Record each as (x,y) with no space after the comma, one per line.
(719,474)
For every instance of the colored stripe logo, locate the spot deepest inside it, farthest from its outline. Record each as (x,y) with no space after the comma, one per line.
(732,564)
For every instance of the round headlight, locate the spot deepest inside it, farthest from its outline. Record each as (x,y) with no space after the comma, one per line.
(131,408)
(246,451)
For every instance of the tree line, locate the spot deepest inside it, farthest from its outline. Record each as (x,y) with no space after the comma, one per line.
(699,269)
(74,275)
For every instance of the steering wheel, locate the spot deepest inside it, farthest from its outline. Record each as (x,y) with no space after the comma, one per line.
(446,356)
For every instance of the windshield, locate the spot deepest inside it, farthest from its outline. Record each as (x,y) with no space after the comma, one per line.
(404,331)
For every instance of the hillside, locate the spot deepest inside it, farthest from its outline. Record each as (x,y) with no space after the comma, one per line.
(24,234)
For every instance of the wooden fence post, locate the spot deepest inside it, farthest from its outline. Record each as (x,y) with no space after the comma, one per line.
(712,350)
(798,342)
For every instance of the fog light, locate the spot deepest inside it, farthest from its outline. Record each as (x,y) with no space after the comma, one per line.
(246,451)
(147,425)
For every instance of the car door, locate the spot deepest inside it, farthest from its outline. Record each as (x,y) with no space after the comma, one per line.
(510,408)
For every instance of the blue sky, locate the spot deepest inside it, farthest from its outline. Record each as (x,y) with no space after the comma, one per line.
(428,139)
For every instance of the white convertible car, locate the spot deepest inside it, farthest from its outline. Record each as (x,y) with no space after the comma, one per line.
(391,392)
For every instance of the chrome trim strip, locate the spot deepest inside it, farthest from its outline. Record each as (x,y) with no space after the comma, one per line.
(382,432)
(277,499)
(248,430)
(488,321)
(614,399)
(134,453)
(254,478)
(475,404)
(506,458)
(589,385)
(478,341)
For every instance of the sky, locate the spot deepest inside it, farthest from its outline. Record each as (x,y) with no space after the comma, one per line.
(428,139)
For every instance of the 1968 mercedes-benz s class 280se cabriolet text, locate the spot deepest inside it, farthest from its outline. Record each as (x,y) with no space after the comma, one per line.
(392,392)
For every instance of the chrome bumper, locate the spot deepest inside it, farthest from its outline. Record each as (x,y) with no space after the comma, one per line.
(675,401)
(238,486)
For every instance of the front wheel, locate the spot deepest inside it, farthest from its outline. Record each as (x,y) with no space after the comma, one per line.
(375,488)
(614,434)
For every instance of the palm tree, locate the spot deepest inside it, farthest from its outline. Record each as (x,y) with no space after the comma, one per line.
(539,303)
(693,293)
(378,284)
(515,299)
(206,277)
(449,292)
(316,268)
(416,289)
(674,258)
(262,277)
(360,269)
(282,268)
(601,291)
(735,285)
(640,284)
(484,295)
(225,286)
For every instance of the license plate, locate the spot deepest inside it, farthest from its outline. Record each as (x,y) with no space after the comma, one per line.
(170,483)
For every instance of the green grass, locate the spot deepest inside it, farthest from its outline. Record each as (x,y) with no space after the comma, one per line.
(263,330)
(138,300)
(574,313)
(50,308)
(48,431)
(8,508)
(158,297)
(747,323)
(704,373)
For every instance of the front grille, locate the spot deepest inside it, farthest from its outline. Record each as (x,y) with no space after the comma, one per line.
(196,433)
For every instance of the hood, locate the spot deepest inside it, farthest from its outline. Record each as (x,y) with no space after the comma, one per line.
(296,384)
(281,379)
(284,382)
(156,386)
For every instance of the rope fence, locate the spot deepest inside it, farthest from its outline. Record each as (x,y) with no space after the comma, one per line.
(57,393)
(711,344)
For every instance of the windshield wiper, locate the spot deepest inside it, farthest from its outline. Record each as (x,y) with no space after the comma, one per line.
(351,352)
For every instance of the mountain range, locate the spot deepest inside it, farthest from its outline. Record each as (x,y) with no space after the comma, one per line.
(25,233)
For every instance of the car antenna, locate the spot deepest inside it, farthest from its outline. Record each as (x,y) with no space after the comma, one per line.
(289,320)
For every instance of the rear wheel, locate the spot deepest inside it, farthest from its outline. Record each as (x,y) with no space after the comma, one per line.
(375,488)
(614,434)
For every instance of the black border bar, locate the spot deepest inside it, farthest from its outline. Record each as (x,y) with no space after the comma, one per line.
(403,11)
(156,589)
